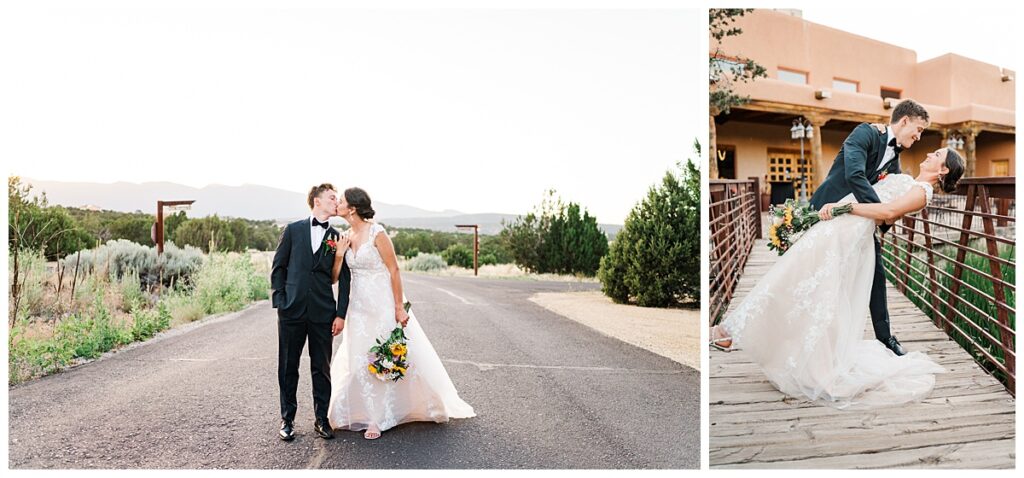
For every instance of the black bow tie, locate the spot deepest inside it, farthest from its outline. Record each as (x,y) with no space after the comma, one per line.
(324,224)
(895,147)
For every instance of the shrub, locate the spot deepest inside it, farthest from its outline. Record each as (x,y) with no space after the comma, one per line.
(556,238)
(488,259)
(31,282)
(88,335)
(132,296)
(183,307)
(426,262)
(147,322)
(120,257)
(228,282)
(458,255)
(34,225)
(494,246)
(655,259)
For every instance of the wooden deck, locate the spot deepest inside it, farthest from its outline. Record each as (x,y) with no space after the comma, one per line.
(967,422)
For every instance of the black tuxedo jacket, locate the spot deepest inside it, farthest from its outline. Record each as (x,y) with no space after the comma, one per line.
(855,169)
(301,279)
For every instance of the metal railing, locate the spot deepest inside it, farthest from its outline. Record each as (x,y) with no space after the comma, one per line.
(956,261)
(735,223)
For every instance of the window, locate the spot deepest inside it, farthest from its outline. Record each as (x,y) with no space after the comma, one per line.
(891,93)
(726,162)
(785,165)
(793,76)
(840,84)
(1000,167)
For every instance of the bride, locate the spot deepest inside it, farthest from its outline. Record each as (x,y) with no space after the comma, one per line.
(359,400)
(804,322)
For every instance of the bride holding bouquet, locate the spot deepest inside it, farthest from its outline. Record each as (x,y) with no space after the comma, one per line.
(364,396)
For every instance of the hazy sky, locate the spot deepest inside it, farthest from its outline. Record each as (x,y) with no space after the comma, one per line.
(474,110)
(968,29)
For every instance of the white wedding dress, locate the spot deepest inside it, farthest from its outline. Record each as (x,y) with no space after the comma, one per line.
(804,322)
(359,399)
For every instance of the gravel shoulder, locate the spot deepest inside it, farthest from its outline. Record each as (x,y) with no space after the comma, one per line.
(671,333)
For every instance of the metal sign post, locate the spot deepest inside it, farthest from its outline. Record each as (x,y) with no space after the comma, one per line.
(158,228)
(476,245)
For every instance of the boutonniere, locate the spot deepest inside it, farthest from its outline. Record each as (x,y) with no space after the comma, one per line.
(332,245)
(882,175)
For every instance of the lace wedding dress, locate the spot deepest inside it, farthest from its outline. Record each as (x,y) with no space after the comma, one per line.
(359,399)
(804,322)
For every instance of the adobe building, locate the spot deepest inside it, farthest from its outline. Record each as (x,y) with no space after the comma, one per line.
(836,80)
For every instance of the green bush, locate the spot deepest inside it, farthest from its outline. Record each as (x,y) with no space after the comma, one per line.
(225,282)
(655,258)
(494,247)
(556,238)
(458,255)
(488,259)
(132,295)
(228,282)
(89,335)
(426,262)
(34,225)
(409,254)
(147,322)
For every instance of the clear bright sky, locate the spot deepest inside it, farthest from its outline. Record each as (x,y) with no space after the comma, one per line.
(474,110)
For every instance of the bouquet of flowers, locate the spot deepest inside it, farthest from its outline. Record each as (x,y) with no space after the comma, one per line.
(790,219)
(388,359)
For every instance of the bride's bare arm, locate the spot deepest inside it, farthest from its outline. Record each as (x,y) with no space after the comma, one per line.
(387,252)
(339,258)
(913,200)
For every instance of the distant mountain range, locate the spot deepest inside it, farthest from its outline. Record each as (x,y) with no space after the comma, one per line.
(251,202)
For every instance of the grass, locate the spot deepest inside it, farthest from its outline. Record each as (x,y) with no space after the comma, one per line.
(53,331)
(985,317)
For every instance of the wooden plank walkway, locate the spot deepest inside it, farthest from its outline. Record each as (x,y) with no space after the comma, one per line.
(967,422)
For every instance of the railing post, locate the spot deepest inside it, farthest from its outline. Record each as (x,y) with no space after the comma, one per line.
(961,252)
(757,206)
(997,285)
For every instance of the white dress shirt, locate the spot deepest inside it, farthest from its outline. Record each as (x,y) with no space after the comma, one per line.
(316,234)
(890,151)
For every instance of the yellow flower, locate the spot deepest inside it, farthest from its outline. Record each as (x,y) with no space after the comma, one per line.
(400,370)
(789,217)
(372,369)
(398,350)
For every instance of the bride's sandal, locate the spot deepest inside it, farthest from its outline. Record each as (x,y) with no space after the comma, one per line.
(372,433)
(718,342)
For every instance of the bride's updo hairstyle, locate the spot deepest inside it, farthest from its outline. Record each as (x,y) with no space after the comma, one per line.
(955,164)
(357,198)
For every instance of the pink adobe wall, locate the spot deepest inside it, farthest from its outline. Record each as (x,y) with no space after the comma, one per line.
(776,39)
(952,87)
(992,147)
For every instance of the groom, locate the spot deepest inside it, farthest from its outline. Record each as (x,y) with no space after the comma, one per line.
(866,156)
(306,309)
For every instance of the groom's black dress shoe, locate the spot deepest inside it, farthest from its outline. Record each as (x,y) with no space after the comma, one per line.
(287,431)
(323,428)
(892,344)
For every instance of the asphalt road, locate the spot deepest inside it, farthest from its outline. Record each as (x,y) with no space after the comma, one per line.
(548,393)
